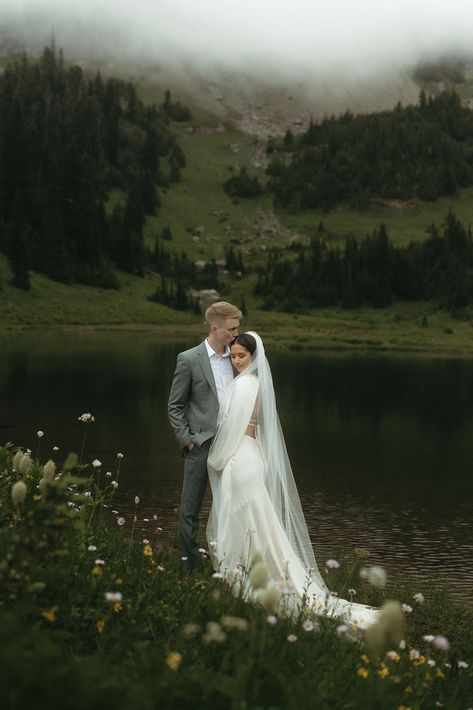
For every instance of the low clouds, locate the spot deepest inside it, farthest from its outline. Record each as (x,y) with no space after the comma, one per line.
(281,36)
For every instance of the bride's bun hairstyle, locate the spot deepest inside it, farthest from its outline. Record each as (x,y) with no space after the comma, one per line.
(247,341)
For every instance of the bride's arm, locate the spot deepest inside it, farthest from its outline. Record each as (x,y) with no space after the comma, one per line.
(239,406)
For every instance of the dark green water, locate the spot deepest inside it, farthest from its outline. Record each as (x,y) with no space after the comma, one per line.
(382,448)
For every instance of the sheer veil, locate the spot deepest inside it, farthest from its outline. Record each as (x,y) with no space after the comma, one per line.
(253,387)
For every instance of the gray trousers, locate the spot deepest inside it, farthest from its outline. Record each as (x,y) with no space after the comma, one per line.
(193,491)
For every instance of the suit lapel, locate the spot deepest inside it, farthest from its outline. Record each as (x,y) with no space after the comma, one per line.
(204,363)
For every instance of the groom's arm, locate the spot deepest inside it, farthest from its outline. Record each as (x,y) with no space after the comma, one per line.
(178,398)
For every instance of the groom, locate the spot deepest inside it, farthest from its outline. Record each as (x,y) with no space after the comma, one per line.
(195,410)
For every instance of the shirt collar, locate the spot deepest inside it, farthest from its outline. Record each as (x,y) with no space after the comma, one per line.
(211,351)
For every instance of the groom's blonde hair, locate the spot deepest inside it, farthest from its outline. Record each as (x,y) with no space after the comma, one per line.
(220,311)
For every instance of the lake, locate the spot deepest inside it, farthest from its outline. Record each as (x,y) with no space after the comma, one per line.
(381,447)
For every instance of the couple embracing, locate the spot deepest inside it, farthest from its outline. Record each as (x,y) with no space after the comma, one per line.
(223,411)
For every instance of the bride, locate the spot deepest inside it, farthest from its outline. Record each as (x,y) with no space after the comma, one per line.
(256,507)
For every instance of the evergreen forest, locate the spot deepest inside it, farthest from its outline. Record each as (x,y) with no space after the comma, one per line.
(68,141)
(421,151)
(373,272)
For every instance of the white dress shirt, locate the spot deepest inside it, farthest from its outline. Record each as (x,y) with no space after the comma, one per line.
(223,374)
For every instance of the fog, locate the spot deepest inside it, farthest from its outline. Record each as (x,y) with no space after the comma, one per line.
(296,36)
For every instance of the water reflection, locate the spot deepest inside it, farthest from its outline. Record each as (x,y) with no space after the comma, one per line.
(381,448)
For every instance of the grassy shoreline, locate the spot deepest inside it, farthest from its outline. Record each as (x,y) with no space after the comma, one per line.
(91,614)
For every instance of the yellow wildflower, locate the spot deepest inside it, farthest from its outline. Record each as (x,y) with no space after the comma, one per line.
(393,656)
(365,658)
(408,690)
(49,615)
(383,671)
(362,672)
(119,580)
(147,551)
(37,497)
(404,707)
(97,571)
(117,607)
(173,660)
(420,661)
(439,673)
(100,624)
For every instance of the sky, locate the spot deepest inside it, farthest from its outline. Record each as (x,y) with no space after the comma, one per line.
(296,36)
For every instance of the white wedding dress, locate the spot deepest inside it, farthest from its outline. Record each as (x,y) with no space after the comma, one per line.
(256,506)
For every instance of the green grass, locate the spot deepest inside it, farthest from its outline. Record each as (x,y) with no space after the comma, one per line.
(176,640)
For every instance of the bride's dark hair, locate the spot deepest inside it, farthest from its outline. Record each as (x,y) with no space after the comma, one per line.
(247,341)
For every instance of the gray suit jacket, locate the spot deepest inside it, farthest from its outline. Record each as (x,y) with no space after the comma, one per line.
(193,400)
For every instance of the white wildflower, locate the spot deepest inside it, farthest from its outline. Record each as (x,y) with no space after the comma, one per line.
(49,470)
(137,500)
(40,434)
(18,492)
(308,625)
(271,619)
(214,633)
(374,575)
(86,417)
(120,521)
(216,575)
(258,576)
(26,465)
(92,548)
(96,463)
(113,596)
(419,598)
(114,484)
(332,564)
(270,598)
(119,456)
(16,459)
(441,642)
(407,609)
(292,638)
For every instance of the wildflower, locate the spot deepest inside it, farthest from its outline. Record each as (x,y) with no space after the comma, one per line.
(308,625)
(147,551)
(439,673)
(40,434)
(159,529)
(87,417)
(97,571)
(374,575)
(16,459)
(190,630)
(362,672)
(137,500)
(234,622)
(49,470)
(184,558)
(419,598)
(120,521)
(383,671)
(119,580)
(100,562)
(420,661)
(414,654)
(342,629)
(271,619)
(155,517)
(258,576)
(146,520)
(202,551)
(402,645)
(214,633)
(441,642)
(217,575)
(352,592)
(406,608)
(213,543)
(113,596)
(365,658)
(100,625)
(388,629)
(92,548)
(114,484)
(462,664)
(96,463)
(26,465)
(55,448)
(393,656)
(119,456)
(109,473)
(428,637)
(332,564)
(117,607)
(271,597)
(49,615)
(18,492)
(161,568)
(292,638)
(145,542)
(173,660)
(431,663)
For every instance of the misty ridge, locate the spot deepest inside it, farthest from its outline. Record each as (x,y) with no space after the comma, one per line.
(238,58)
